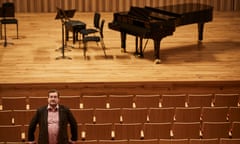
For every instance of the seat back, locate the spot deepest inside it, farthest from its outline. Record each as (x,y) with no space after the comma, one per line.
(234,114)
(127,131)
(111,115)
(215,114)
(120,101)
(101,28)
(189,114)
(235,128)
(70,101)
(83,115)
(14,103)
(98,131)
(142,101)
(6,117)
(134,115)
(200,100)
(37,102)
(174,100)
(215,130)
(226,100)
(204,141)
(161,115)
(173,141)
(96,20)
(186,130)
(229,141)
(88,101)
(8,9)
(157,130)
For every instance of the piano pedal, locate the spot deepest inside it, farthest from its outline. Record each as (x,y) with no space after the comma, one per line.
(157,61)
(123,50)
(138,55)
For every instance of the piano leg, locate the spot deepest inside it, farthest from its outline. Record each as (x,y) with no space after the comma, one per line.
(123,41)
(137,53)
(141,48)
(136,46)
(200,31)
(157,50)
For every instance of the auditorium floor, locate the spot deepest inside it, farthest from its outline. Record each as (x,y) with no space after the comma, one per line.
(32,57)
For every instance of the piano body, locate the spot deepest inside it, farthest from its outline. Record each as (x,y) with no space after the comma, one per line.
(157,23)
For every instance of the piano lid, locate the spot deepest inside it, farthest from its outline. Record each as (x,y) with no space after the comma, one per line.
(148,14)
(181,9)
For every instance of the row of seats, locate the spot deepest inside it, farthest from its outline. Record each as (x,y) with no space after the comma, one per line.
(176,130)
(155,141)
(133,115)
(109,131)
(126,101)
(170,114)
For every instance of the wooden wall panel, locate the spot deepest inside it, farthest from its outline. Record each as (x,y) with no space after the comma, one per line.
(111,5)
(236,5)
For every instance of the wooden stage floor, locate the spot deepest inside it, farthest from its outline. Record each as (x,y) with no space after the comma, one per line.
(31,59)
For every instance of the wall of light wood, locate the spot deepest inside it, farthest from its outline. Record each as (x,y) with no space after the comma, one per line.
(111,5)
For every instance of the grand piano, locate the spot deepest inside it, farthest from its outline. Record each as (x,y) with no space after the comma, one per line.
(159,22)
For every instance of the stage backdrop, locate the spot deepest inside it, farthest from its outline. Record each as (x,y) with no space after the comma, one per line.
(24,6)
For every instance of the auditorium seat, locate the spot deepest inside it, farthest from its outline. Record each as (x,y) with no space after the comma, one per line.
(81,132)
(143,141)
(98,101)
(6,117)
(215,130)
(234,114)
(11,133)
(147,101)
(235,130)
(215,114)
(101,131)
(128,131)
(174,100)
(15,143)
(123,141)
(36,134)
(200,100)
(23,117)
(204,141)
(111,115)
(159,115)
(229,141)
(157,130)
(226,100)
(83,115)
(188,130)
(188,114)
(70,101)
(37,102)
(86,142)
(17,103)
(121,101)
(134,115)
(173,141)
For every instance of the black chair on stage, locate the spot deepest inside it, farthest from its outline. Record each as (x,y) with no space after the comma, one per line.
(96,24)
(94,38)
(8,17)
(74,26)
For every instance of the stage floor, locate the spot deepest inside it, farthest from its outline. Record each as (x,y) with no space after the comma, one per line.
(32,57)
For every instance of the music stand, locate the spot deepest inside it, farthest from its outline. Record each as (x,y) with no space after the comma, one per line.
(64,15)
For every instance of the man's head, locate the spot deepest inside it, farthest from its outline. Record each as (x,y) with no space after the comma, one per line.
(53,98)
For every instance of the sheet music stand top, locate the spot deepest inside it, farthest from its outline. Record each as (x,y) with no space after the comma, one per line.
(65,14)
